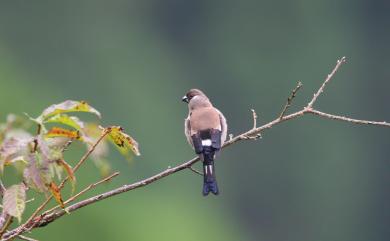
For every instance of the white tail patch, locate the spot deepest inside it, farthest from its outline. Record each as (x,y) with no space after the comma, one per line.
(206,142)
(210,169)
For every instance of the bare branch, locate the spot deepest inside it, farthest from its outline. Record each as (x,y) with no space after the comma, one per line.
(47,218)
(328,78)
(347,119)
(290,99)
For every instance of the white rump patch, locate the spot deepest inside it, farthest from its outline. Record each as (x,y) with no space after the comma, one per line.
(206,142)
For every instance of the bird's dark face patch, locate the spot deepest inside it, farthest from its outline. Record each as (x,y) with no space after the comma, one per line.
(191,94)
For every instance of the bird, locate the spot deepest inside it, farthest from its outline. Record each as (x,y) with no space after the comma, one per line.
(205,129)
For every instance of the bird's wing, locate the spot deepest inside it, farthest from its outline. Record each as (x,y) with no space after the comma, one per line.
(187,130)
(223,126)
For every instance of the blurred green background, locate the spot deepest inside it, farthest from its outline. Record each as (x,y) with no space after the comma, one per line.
(308,179)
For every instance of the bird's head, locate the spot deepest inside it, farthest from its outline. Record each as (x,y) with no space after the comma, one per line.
(191,94)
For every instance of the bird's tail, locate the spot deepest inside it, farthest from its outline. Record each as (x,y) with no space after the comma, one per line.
(209,180)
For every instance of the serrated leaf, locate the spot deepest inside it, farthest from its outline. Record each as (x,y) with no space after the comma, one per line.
(37,174)
(14,201)
(123,141)
(56,194)
(65,107)
(64,119)
(61,132)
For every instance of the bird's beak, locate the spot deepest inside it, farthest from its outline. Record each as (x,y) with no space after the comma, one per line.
(185,99)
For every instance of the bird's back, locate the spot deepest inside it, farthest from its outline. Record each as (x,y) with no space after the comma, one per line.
(204,119)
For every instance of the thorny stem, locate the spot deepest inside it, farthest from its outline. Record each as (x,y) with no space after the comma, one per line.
(169,171)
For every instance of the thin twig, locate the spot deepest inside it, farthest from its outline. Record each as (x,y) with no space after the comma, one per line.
(5,221)
(194,170)
(27,238)
(290,99)
(254,115)
(254,137)
(244,136)
(86,155)
(347,119)
(2,188)
(71,199)
(328,78)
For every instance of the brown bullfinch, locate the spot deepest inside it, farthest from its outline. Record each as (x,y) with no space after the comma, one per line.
(205,129)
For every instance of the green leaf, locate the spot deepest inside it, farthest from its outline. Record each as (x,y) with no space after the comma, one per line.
(64,119)
(65,107)
(123,141)
(14,201)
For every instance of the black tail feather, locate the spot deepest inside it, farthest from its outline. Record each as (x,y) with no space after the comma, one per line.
(209,180)
(207,143)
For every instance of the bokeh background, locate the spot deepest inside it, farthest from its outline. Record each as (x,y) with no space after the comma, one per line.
(307,179)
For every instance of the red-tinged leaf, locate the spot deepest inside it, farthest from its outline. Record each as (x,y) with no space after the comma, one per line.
(122,141)
(37,174)
(60,132)
(69,171)
(56,194)
(65,107)
(14,200)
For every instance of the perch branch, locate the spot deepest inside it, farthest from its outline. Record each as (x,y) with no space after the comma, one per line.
(47,218)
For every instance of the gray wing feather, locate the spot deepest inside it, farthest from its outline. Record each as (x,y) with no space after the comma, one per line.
(223,126)
(187,131)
